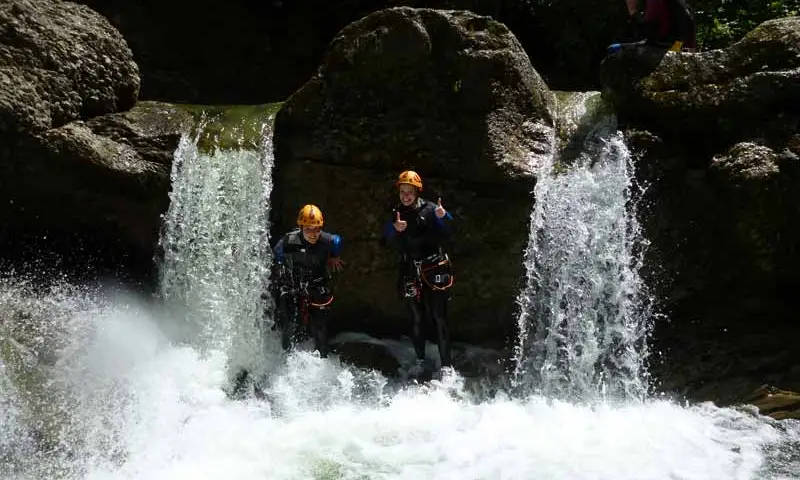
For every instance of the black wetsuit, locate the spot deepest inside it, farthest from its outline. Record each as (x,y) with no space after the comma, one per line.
(425,275)
(302,287)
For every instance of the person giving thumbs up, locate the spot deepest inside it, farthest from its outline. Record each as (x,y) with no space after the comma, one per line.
(399,224)
(440,211)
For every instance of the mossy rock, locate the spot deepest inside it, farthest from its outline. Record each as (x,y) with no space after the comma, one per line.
(776,403)
(230,127)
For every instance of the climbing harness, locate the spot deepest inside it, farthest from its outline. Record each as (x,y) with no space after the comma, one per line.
(306,300)
(438,275)
(434,271)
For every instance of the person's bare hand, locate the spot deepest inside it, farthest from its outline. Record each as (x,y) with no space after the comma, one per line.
(399,224)
(440,211)
(336,264)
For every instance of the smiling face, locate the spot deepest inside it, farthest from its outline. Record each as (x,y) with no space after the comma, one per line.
(311,234)
(407,193)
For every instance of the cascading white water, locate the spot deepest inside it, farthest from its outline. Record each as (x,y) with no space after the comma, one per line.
(15,441)
(215,243)
(135,390)
(584,313)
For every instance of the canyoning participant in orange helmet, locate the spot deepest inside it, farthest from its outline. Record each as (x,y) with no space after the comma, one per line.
(303,259)
(420,230)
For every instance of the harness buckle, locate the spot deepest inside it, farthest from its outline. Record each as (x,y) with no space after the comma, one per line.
(418,267)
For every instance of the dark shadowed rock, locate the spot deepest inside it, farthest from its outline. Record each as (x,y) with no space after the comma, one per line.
(761,195)
(723,260)
(256,51)
(450,94)
(80,185)
(88,195)
(716,138)
(483,368)
(365,352)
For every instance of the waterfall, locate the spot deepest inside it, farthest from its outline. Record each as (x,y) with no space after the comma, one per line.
(584,313)
(109,386)
(15,440)
(215,240)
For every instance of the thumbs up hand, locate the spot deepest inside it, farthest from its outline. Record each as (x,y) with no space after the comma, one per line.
(440,211)
(400,224)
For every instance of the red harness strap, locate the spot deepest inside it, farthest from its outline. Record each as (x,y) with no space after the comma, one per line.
(305,304)
(432,266)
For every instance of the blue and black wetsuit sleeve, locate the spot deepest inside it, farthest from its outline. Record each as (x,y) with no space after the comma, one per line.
(279,256)
(442,226)
(335,244)
(333,248)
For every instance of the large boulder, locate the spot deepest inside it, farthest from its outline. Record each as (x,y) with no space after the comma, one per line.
(59,62)
(715,134)
(450,94)
(82,177)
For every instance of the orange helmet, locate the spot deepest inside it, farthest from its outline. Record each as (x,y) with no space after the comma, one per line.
(310,216)
(410,177)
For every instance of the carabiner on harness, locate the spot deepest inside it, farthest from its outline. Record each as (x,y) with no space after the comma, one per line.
(411,289)
(412,285)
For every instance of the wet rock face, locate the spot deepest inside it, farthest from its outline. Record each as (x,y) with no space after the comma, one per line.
(79,183)
(449,94)
(716,138)
(723,263)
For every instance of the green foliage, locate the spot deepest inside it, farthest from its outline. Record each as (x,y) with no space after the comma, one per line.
(723,22)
